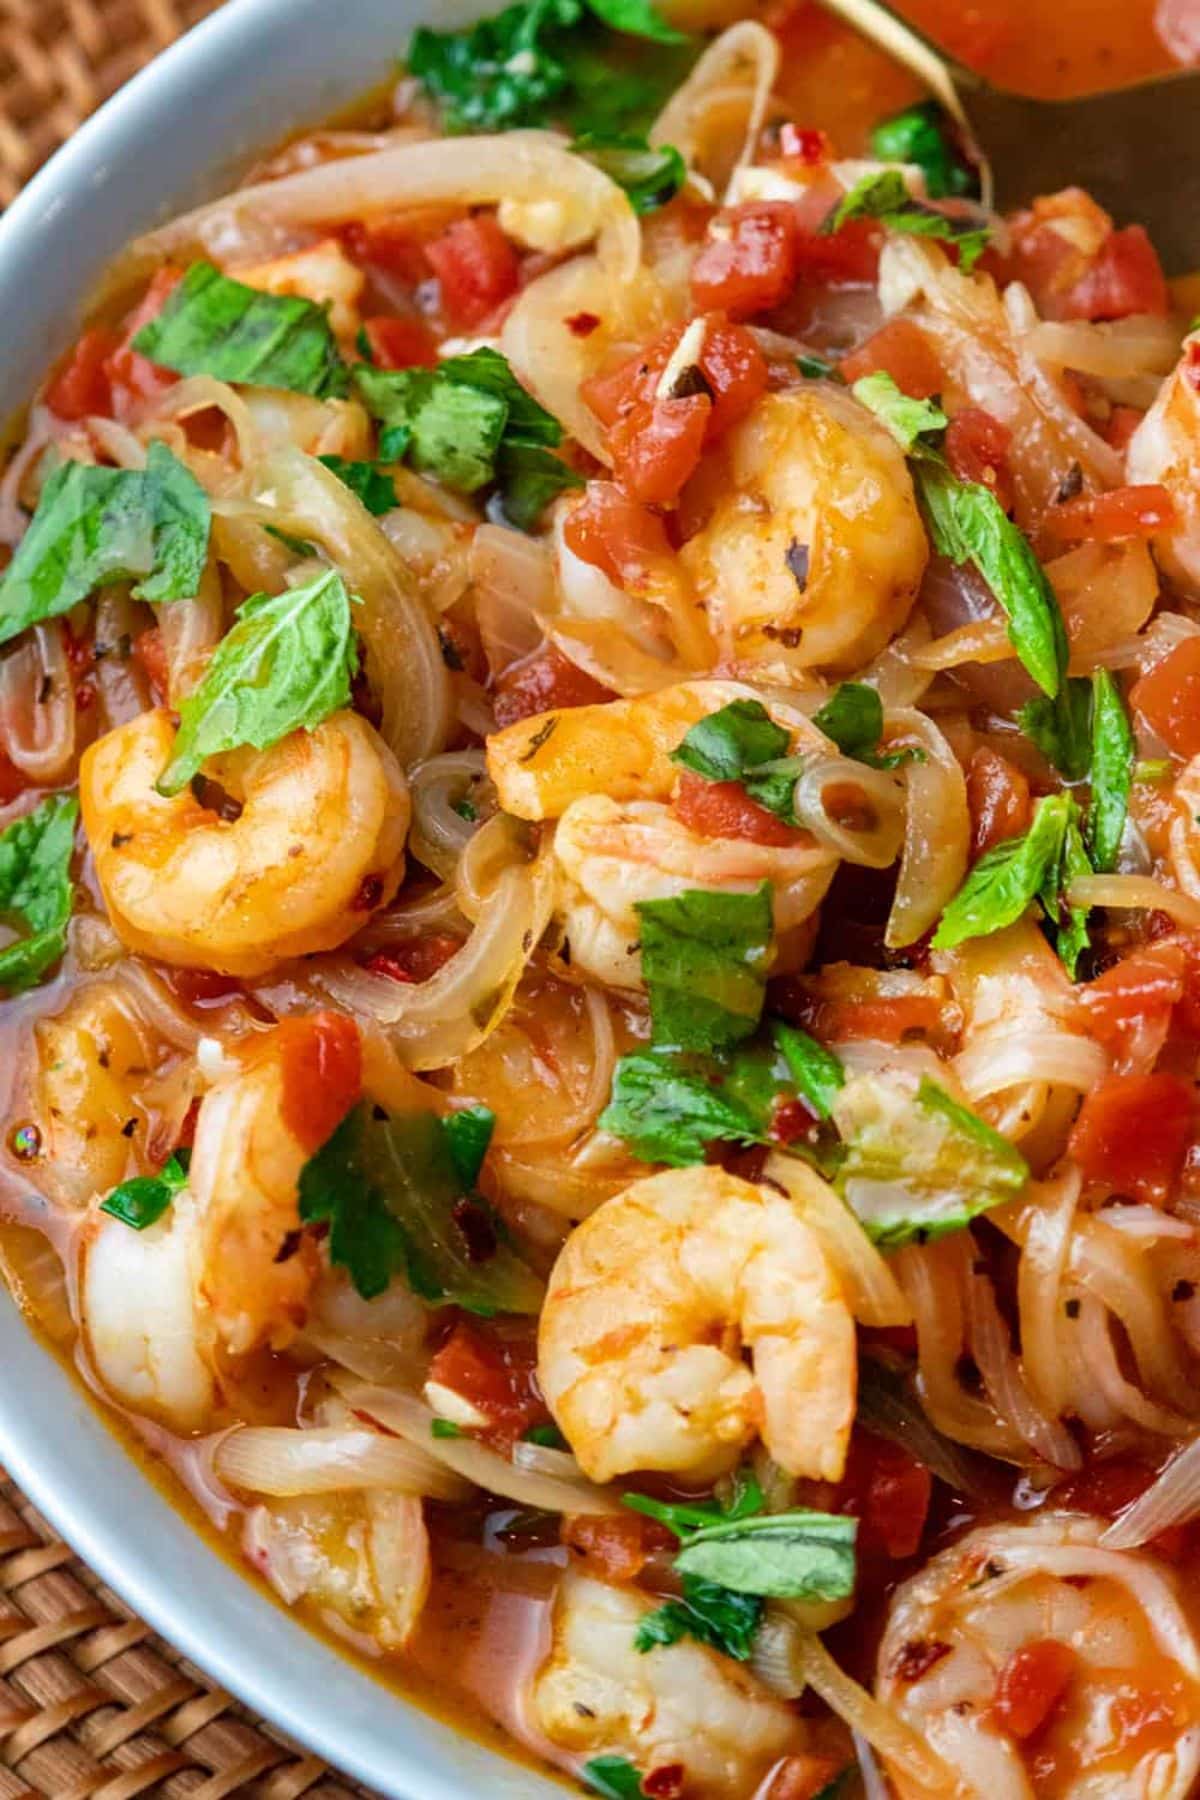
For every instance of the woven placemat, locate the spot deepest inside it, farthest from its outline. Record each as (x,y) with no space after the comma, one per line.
(94,1706)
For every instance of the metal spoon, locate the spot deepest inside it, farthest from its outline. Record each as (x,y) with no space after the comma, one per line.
(1136,149)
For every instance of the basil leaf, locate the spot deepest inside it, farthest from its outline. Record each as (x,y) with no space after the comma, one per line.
(144,1199)
(907,419)
(885,196)
(286,665)
(445,1428)
(668,1116)
(723,746)
(919,1166)
(968,524)
(852,717)
(711,1614)
(93,526)
(650,174)
(35,889)
(486,371)
(613,1777)
(468,1134)
(500,72)
(683,1518)
(548,1436)
(783,1556)
(922,134)
(1061,728)
(374,487)
(817,1072)
(704,961)
(1113,754)
(1070,923)
(638,18)
(393,1195)
(530,478)
(816,368)
(1006,879)
(213,325)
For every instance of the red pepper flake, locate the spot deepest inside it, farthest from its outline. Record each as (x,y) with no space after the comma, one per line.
(801,143)
(370,893)
(665,1783)
(915,1659)
(582,324)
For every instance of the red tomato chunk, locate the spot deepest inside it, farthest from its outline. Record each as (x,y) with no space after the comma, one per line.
(1133,1133)
(1127,512)
(1168,698)
(494,1371)
(417,959)
(616,535)
(401,343)
(477,268)
(322,1074)
(752,265)
(723,809)
(1031,1684)
(81,385)
(903,351)
(547,681)
(998,797)
(977,449)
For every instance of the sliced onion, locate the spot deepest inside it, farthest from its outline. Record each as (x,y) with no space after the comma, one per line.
(440,834)
(513,580)
(273,1459)
(855,810)
(1173,1499)
(191,631)
(41,429)
(120,679)
(730,86)
(1118,1273)
(1005,1381)
(1098,1356)
(872,1291)
(1140,893)
(1040,1277)
(1142,345)
(487,1469)
(937,829)
(1004,1056)
(983,641)
(930,1277)
(888,1406)
(37,704)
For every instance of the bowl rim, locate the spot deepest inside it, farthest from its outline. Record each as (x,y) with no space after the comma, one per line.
(406,1752)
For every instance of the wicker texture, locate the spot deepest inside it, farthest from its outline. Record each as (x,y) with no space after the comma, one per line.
(92,1705)
(60,58)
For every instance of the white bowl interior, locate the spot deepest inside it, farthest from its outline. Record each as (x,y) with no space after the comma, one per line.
(232,89)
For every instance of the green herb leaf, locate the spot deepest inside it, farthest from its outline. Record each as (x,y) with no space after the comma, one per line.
(704,960)
(1061,728)
(885,197)
(638,18)
(285,666)
(666,1115)
(784,1556)
(918,1167)
(393,1195)
(213,325)
(95,525)
(723,746)
(1113,754)
(817,1072)
(853,718)
(373,485)
(548,1436)
(684,1518)
(35,890)
(816,368)
(922,134)
(711,1614)
(651,174)
(614,1777)
(445,1428)
(905,418)
(1070,923)
(144,1199)
(968,524)
(1007,879)
(468,1134)
(487,372)
(530,477)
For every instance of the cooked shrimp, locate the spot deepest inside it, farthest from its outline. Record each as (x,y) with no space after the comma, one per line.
(317,845)
(679,1706)
(228,1269)
(322,273)
(1165,449)
(362,1560)
(649,1306)
(814,549)
(1121,1720)
(616,856)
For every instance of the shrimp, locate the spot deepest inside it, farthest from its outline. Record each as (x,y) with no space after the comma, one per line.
(680,1706)
(1123,1724)
(1165,449)
(649,1305)
(228,1269)
(322,273)
(361,1559)
(813,551)
(614,857)
(315,844)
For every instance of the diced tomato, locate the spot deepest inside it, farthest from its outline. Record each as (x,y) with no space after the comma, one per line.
(845,258)
(416,959)
(733,368)
(13,781)
(1031,1684)
(400,343)
(1122,424)
(81,384)
(656,449)
(149,650)
(998,798)
(889,1019)
(1168,698)
(792,1122)
(390,244)
(977,449)
(804,144)
(754,267)
(1052,246)
(618,536)
(723,809)
(322,1074)
(203,987)
(132,377)
(547,681)
(1126,277)
(477,267)
(1139,991)
(1188,1014)
(617,1545)
(889,1492)
(495,1369)
(1133,1133)
(803,1777)
(903,351)
(1127,512)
